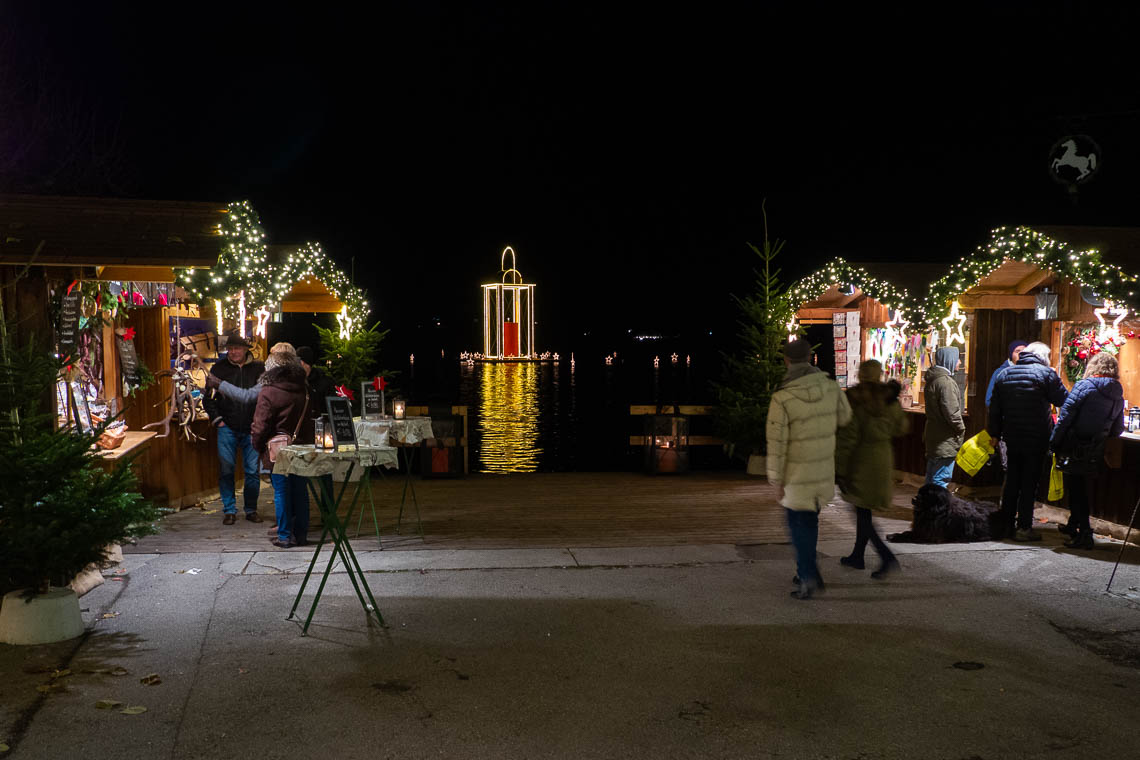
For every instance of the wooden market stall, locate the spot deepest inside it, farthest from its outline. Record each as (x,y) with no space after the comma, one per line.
(1043,284)
(96,274)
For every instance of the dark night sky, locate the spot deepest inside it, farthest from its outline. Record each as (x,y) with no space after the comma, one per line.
(623,154)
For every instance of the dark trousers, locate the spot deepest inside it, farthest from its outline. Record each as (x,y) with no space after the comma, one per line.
(864,532)
(803,526)
(1077,487)
(1023,474)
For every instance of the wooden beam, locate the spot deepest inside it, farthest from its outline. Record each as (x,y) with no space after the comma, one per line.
(694,440)
(135,274)
(972,301)
(685,409)
(317,305)
(1032,280)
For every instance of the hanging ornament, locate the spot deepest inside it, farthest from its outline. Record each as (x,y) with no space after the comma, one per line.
(956,333)
(263,314)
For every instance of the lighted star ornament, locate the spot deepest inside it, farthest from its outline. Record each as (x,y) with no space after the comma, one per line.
(345,322)
(263,315)
(241,314)
(1112,332)
(956,334)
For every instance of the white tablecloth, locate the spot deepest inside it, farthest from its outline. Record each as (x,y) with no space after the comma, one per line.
(410,430)
(307,461)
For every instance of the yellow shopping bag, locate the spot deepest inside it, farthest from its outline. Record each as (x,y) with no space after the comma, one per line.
(1056,482)
(975,453)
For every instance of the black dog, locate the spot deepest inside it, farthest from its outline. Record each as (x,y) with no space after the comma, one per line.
(940,517)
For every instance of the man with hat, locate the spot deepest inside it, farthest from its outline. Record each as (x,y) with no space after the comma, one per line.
(234,419)
(805,412)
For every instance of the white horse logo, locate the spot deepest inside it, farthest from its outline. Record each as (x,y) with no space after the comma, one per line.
(1085,165)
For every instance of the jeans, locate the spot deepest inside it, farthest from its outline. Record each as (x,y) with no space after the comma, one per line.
(939,470)
(1077,486)
(803,526)
(1021,479)
(864,532)
(228,443)
(291,498)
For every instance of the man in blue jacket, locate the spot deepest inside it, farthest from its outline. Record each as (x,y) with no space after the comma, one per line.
(1021,416)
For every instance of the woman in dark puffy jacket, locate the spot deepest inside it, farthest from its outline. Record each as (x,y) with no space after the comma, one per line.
(1093,411)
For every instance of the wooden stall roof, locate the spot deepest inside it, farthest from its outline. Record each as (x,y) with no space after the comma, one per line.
(309,295)
(76,231)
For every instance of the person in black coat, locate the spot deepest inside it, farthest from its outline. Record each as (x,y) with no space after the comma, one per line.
(1020,415)
(321,386)
(233,419)
(1093,411)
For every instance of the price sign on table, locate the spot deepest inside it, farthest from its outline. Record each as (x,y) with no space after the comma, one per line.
(371,407)
(343,429)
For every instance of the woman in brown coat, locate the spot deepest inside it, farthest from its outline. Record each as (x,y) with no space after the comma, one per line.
(281,408)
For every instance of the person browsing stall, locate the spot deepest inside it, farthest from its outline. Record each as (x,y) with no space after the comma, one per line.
(233,420)
(944,425)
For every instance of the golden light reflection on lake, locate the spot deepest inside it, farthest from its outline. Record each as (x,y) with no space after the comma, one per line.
(508,417)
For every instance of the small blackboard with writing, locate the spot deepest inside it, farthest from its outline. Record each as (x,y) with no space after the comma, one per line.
(370,406)
(129,360)
(69,325)
(343,428)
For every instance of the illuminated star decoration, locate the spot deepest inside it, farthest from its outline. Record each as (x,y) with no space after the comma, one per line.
(241,314)
(956,334)
(345,392)
(1105,333)
(675,358)
(898,326)
(263,315)
(379,383)
(345,322)
(792,327)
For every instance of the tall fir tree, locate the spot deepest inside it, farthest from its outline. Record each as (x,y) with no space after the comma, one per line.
(243,266)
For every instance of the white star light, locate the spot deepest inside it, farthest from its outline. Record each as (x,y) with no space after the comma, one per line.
(241,313)
(956,334)
(263,315)
(1105,331)
(345,322)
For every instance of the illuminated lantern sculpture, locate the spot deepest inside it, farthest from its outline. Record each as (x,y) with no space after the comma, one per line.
(508,314)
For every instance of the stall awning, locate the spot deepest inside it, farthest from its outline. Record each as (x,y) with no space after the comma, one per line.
(104,232)
(312,296)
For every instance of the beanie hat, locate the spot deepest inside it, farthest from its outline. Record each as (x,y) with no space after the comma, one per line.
(797,351)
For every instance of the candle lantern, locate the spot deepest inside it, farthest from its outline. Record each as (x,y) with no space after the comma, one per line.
(327,441)
(508,314)
(398,408)
(318,433)
(1134,419)
(666,443)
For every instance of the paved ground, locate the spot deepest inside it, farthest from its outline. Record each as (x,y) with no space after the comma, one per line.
(682,651)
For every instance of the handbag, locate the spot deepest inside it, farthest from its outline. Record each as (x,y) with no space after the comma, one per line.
(281,440)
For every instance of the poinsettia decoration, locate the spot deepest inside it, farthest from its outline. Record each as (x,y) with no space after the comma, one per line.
(345,392)
(129,333)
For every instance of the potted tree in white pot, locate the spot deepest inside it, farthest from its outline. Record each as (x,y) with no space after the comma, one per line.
(754,373)
(59,508)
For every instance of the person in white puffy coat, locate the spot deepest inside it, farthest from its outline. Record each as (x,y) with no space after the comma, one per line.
(805,412)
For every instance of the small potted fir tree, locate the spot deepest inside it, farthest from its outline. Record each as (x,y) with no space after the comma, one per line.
(59,507)
(753,374)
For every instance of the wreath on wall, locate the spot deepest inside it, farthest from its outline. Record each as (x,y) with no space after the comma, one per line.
(1081,344)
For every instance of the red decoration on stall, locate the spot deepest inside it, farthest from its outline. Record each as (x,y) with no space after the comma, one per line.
(379,383)
(344,392)
(71,286)
(162,300)
(137,299)
(129,333)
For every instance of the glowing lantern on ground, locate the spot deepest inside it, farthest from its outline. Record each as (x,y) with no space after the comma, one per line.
(508,314)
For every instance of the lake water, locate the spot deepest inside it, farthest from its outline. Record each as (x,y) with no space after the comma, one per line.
(554,416)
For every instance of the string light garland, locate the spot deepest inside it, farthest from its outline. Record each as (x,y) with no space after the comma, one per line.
(1023,244)
(310,261)
(837,273)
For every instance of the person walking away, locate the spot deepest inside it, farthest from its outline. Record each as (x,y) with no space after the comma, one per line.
(281,407)
(864,460)
(1020,415)
(1014,352)
(233,420)
(803,416)
(1092,413)
(944,426)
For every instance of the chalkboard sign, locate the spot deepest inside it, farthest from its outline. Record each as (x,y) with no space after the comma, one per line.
(340,418)
(371,406)
(69,325)
(129,360)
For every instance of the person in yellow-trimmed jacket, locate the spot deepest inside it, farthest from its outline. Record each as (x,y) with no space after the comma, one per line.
(805,412)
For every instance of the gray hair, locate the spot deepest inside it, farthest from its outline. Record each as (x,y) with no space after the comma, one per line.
(1039,349)
(1102,365)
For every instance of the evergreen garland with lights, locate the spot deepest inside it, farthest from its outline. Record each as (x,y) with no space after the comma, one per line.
(310,260)
(838,272)
(1083,267)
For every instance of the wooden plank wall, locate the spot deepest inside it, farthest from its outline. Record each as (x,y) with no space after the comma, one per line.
(176,472)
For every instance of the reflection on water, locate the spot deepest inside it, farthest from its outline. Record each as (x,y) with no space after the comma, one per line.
(508,417)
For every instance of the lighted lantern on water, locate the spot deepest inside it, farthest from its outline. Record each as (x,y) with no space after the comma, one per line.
(399,408)
(508,314)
